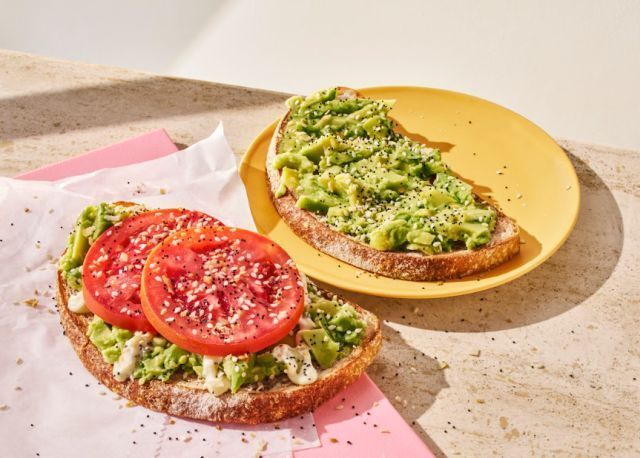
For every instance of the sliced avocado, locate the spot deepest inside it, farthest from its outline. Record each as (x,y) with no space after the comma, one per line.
(80,244)
(323,348)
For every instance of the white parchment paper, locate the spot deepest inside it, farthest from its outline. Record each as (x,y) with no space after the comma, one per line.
(50,406)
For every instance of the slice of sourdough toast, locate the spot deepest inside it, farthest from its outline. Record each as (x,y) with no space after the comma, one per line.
(504,243)
(278,400)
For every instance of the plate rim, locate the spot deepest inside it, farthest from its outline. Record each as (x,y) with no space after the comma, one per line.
(511,275)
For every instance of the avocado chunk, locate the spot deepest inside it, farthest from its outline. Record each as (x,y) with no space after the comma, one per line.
(323,348)
(288,181)
(318,202)
(293,161)
(109,340)
(322,307)
(237,371)
(389,235)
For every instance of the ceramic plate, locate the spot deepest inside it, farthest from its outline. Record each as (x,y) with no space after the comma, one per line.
(510,162)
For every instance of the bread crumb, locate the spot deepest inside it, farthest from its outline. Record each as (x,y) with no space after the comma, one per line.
(376,404)
(413,369)
(385,431)
(33,302)
(218,427)
(19,361)
(172,422)
(187,439)
(17,388)
(4,407)
(475,353)
(130,404)
(340,407)
(480,401)
(333,440)
(442,365)
(261,446)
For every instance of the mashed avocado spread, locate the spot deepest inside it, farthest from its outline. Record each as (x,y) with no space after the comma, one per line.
(331,331)
(327,331)
(341,159)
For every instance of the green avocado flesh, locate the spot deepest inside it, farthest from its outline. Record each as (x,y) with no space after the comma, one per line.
(338,331)
(93,221)
(337,327)
(341,159)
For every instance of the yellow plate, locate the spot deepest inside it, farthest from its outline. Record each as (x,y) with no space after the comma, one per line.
(508,160)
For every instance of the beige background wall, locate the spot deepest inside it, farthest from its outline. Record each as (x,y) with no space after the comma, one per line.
(571,66)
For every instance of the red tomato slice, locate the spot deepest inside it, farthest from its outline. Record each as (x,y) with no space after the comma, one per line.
(113,266)
(220,291)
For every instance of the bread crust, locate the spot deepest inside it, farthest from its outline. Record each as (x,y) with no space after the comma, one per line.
(189,398)
(504,243)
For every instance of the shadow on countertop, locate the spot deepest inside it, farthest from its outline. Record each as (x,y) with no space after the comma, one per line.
(573,274)
(417,383)
(121,102)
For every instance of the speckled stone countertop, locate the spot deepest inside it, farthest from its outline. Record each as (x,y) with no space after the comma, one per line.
(548,364)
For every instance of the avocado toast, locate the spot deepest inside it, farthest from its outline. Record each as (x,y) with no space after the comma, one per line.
(329,346)
(351,186)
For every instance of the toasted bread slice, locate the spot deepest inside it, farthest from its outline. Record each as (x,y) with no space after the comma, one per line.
(504,243)
(189,398)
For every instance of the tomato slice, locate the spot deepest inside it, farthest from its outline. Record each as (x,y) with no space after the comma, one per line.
(220,291)
(113,266)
